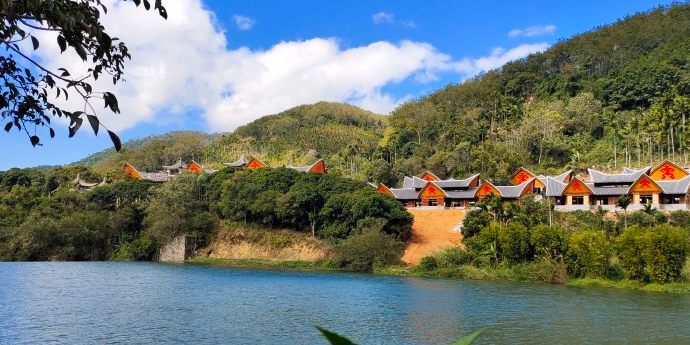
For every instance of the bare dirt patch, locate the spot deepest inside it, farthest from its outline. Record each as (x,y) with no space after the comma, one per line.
(432,232)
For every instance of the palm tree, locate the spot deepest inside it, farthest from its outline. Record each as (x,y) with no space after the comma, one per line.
(623,202)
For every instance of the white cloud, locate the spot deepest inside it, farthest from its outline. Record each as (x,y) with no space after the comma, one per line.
(533,31)
(243,23)
(182,65)
(383,18)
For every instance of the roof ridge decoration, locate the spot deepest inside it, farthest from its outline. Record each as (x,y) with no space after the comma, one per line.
(667,170)
(431,190)
(577,187)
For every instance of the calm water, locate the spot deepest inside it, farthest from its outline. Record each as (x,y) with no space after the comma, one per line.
(147,303)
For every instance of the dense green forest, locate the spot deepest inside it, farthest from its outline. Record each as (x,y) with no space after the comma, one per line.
(45,218)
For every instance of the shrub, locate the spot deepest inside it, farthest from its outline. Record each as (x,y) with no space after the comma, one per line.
(680,218)
(428,264)
(514,243)
(629,246)
(665,250)
(474,222)
(549,242)
(369,249)
(588,254)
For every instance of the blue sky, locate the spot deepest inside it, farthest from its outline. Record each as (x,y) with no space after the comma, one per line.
(215,65)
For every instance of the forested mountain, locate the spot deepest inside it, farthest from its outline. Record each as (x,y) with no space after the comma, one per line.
(615,96)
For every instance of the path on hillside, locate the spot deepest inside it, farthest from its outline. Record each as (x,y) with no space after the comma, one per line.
(432,231)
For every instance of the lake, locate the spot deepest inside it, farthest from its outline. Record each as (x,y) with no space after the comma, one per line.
(151,303)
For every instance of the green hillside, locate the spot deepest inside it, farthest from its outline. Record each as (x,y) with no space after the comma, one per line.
(615,96)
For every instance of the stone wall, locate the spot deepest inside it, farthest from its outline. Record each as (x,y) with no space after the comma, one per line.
(178,249)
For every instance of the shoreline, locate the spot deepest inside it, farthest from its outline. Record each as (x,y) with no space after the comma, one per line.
(482,274)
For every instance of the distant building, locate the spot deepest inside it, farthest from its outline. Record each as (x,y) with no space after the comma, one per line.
(80,184)
(665,186)
(318,167)
(252,163)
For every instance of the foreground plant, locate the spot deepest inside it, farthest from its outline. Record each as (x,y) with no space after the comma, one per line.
(337,339)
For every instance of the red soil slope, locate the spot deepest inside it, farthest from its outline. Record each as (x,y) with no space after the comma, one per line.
(432,231)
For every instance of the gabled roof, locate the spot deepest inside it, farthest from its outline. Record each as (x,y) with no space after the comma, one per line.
(408,182)
(463,194)
(554,187)
(453,183)
(194,167)
(562,177)
(667,170)
(238,163)
(431,187)
(79,182)
(255,163)
(675,187)
(599,177)
(485,188)
(429,176)
(405,193)
(578,187)
(521,175)
(514,192)
(607,191)
(645,184)
(155,177)
(383,189)
(178,165)
(318,166)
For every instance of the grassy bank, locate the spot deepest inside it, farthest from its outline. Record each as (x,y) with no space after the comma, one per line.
(264,264)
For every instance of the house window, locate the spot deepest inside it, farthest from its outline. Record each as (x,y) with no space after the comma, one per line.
(455,204)
(672,200)
(644,199)
(433,202)
(603,201)
(578,200)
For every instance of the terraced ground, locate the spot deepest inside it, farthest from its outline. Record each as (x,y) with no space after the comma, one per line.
(432,231)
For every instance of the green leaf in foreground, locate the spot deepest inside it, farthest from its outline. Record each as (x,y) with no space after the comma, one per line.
(334,338)
(469,338)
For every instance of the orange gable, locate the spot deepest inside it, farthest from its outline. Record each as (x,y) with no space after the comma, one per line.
(255,164)
(431,191)
(538,183)
(668,171)
(485,189)
(521,176)
(131,172)
(194,167)
(645,185)
(577,187)
(428,176)
(383,189)
(319,167)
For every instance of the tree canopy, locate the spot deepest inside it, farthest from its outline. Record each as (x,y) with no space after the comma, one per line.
(27,101)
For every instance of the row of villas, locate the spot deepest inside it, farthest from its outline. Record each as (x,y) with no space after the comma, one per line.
(665,186)
(171,171)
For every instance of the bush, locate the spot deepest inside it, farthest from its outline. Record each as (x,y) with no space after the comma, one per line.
(665,250)
(680,218)
(514,243)
(474,222)
(369,249)
(549,242)
(589,254)
(629,246)
(428,264)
